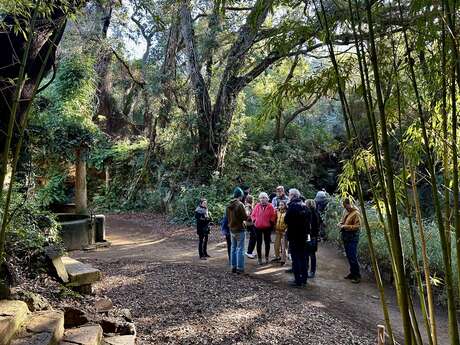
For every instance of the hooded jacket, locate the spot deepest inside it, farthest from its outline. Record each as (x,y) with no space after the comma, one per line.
(202,220)
(236,215)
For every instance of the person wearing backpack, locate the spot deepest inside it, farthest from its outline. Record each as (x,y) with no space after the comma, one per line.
(236,215)
(203,219)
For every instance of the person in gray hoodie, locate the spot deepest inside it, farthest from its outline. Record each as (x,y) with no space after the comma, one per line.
(236,215)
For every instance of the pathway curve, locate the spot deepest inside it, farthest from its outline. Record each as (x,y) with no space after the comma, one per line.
(152,268)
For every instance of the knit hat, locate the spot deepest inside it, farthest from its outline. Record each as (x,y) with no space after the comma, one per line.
(237,193)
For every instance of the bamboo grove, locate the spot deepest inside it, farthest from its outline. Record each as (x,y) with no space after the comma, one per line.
(408,79)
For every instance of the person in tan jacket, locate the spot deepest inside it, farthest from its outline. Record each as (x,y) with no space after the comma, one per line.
(349,227)
(280,230)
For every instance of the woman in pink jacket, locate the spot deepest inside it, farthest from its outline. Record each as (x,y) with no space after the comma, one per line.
(264,217)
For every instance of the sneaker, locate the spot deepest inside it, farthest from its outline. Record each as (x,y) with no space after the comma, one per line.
(276,259)
(311,275)
(356,280)
(203,258)
(251,256)
(259,262)
(350,276)
(234,270)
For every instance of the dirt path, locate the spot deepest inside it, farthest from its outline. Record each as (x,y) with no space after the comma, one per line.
(152,267)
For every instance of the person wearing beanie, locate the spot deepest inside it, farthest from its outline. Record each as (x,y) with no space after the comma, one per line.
(236,216)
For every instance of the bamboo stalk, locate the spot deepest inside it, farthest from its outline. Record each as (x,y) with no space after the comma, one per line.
(453,326)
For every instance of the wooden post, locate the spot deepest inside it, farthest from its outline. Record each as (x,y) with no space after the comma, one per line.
(381,335)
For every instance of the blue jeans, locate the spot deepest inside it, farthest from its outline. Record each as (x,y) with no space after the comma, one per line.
(237,251)
(350,242)
(299,263)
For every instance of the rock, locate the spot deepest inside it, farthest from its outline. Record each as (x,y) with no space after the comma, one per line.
(86,289)
(34,301)
(113,325)
(5,291)
(43,328)
(86,335)
(80,273)
(103,305)
(57,266)
(126,314)
(74,317)
(35,339)
(13,314)
(120,340)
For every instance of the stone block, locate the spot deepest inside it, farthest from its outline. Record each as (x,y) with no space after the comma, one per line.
(120,340)
(86,335)
(74,317)
(44,338)
(13,314)
(103,305)
(80,273)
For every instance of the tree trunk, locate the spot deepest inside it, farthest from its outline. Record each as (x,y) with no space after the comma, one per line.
(81,200)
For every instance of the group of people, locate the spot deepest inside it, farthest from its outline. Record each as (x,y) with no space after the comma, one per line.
(296,223)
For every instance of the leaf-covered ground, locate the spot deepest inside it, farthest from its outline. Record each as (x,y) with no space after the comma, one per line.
(152,268)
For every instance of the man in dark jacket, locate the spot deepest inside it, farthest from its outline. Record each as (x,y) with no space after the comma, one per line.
(236,215)
(298,222)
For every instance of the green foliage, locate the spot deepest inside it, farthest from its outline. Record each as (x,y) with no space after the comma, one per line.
(53,191)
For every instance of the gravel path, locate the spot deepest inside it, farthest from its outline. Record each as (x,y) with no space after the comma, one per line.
(175,298)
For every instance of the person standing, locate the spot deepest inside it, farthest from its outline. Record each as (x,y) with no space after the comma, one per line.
(280,196)
(264,217)
(202,228)
(350,228)
(280,231)
(249,201)
(312,244)
(321,200)
(297,219)
(225,230)
(236,215)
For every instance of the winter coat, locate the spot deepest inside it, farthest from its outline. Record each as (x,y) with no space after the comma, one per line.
(236,215)
(264,217)
(298,220)
(202,220)
(315,222)
(351,220)
(280,225)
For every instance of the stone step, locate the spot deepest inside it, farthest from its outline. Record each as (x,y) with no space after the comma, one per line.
(13,314)
(120,340)
(80,274)
(42,328)
(85,335)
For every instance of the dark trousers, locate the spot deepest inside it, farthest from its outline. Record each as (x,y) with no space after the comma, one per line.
(252,239)
(265,236)
(350,242)
(312,248)
(203,244)
(229,245)
(299,263)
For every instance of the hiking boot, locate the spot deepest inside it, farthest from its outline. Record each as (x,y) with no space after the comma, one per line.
(294,284)
(356,280)
(234,270)
(276,259)
(350,276)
